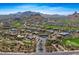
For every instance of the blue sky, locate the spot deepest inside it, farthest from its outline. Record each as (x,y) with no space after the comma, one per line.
(46,8)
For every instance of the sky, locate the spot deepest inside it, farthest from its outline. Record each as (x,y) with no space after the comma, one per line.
(45,8)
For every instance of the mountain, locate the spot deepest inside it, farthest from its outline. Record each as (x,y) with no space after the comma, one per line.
(74,16)
(37,18)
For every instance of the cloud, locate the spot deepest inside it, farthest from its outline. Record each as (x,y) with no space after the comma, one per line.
(36,8)
(42,9)
(46,9)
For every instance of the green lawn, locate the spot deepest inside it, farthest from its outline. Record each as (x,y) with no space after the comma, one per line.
(71,42)
(27,42)
(60,27)
(16,24)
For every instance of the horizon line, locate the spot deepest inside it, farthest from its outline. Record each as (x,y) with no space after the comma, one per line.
(38,12)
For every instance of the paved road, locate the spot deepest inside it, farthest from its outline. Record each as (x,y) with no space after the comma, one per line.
(41,45)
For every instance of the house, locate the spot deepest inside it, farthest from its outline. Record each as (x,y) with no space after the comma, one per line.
(28,31)
(20,36)
(35,32)
(75,34)
(77,31)
(51,31)
(6,24)
(43,35)
(64,33)
(52,37)
(14,31)
(29,36)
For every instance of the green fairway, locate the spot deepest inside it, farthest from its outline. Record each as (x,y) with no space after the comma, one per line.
(46,26)
(71,42)
(16,24)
